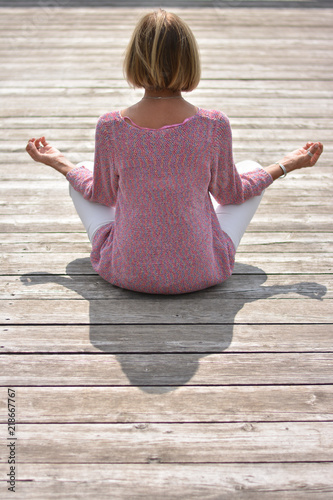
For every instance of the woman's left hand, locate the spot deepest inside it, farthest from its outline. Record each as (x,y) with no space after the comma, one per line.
(306,156)
(42,152)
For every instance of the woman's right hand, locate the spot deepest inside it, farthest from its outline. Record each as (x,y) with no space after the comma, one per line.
(306,156)
(42,152)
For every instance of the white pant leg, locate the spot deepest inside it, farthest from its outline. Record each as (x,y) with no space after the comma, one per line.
(92,215)
(234,219)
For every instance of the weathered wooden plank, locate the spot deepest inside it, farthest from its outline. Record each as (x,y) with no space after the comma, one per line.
(281,70)
(83,141)
(243,286)
(165,338)
(274,195)
(175,443)
(124,18)
(251,106)
(302,481)
(146,370)
(267,137)
(277,49)
(26,121)
(84,151)
(203,26)
(122,32)
(13,161)
(268,208)
(65,209)
(318,177)
(165,310)
(243,71)
(120,36)
(231,55)
(78,263)
(253,242)
(193,8)
(184,404)
(112,53)
(66,85)
(87,145)
(284,242)
(61,242)
(46,224)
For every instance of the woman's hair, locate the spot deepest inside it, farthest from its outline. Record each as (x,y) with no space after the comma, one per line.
(162,54)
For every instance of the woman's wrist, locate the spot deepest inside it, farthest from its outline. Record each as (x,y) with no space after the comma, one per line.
(276,171)
(62,165)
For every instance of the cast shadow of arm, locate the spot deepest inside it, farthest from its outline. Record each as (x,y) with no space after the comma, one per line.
(309,289)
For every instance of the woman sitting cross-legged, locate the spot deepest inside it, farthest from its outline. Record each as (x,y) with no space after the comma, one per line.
(148,200)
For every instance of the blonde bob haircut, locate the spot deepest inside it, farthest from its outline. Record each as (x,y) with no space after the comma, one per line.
(162,54)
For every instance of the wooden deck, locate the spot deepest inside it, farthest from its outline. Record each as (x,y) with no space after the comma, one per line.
(221,394)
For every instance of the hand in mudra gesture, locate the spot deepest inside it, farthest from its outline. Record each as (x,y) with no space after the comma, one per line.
(306,156)
(42,152)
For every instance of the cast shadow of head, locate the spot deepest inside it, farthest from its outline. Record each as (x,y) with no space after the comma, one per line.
(146,333)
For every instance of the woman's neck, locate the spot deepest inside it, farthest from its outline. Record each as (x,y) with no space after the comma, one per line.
(159,108)
(162,94)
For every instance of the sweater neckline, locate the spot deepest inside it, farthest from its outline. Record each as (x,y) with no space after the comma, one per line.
(134,125)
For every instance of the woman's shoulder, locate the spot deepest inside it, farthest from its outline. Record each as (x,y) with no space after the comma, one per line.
(108,119)
(219,123)
(214,115)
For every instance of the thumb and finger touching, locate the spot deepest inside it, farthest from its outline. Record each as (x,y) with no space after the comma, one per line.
(315,149)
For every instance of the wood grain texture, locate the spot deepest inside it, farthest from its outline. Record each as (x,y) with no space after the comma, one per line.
(167,369)
(176,442)
(182,404)
(158,481)
(162,310)
(79,263)
(236,338)
(256,242)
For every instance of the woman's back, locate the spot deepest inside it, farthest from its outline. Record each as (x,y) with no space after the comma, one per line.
(166,237)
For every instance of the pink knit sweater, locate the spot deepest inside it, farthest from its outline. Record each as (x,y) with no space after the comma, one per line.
(166,237)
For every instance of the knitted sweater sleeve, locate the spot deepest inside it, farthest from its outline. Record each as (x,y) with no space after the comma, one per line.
(227,186)
(100,186)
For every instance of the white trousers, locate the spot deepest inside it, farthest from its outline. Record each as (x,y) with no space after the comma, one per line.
(233,219)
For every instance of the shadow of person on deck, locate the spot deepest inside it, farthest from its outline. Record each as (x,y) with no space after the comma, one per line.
(143,330)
